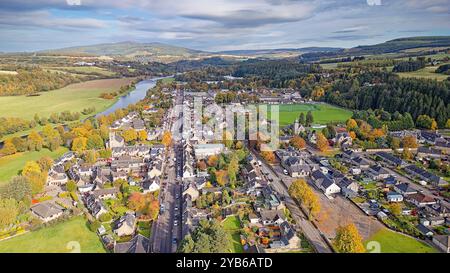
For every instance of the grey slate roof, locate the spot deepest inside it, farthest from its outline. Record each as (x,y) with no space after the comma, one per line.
(139,244)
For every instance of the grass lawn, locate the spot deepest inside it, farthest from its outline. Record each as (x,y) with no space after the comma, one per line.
(55,239)
(74,98)
(12,164)
(232,225)
(392,242)
(322,113)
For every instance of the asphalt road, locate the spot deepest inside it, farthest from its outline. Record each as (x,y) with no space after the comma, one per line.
(164,232)
(309,230)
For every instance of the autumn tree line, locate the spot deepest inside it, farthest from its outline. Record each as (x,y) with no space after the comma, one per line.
(29,81)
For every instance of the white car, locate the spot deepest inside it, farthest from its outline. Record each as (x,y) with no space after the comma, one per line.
(285,171)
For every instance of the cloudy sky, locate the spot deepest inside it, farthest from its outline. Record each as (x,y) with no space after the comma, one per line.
(28,25)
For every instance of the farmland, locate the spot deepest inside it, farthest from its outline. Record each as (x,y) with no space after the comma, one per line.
(425,73)
(74,98)
(55,239)
(322,113)
(84,70)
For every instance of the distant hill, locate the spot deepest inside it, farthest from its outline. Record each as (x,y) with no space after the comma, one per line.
(279,51)
(152,51)
(168,53)
(400,44)
(159,52)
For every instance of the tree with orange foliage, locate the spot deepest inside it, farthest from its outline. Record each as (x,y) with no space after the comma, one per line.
(297,142)
(352,134)
(136,201)
(268,156)
(201,165)
(221,177)
(213,160)
(376,133)
(409,142)
(167,139)
(322,142)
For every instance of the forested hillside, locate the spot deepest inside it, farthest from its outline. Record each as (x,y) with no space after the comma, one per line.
(382,90)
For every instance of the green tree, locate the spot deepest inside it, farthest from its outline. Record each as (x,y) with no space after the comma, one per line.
(95,141)
(301,119)
(18,188)
(226,199)
(309,118)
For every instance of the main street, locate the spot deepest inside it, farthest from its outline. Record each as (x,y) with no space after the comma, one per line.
(165,234)
(309,230)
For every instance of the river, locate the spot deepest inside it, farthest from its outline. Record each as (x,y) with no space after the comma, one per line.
(132,97)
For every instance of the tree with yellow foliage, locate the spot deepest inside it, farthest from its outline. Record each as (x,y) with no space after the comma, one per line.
(348,240)
(305,196)
(129,135)
(79,144)
(317,93)
(351,124)
(142,135)
(167,138)
(322,142)
(37,178)
(434,125)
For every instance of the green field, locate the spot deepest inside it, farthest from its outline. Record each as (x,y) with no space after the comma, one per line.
(425,73)
(55,239)
(167,80)
(11,165)
(392,242)
(74,98)
(84,70)
(322,113)
(231,224)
